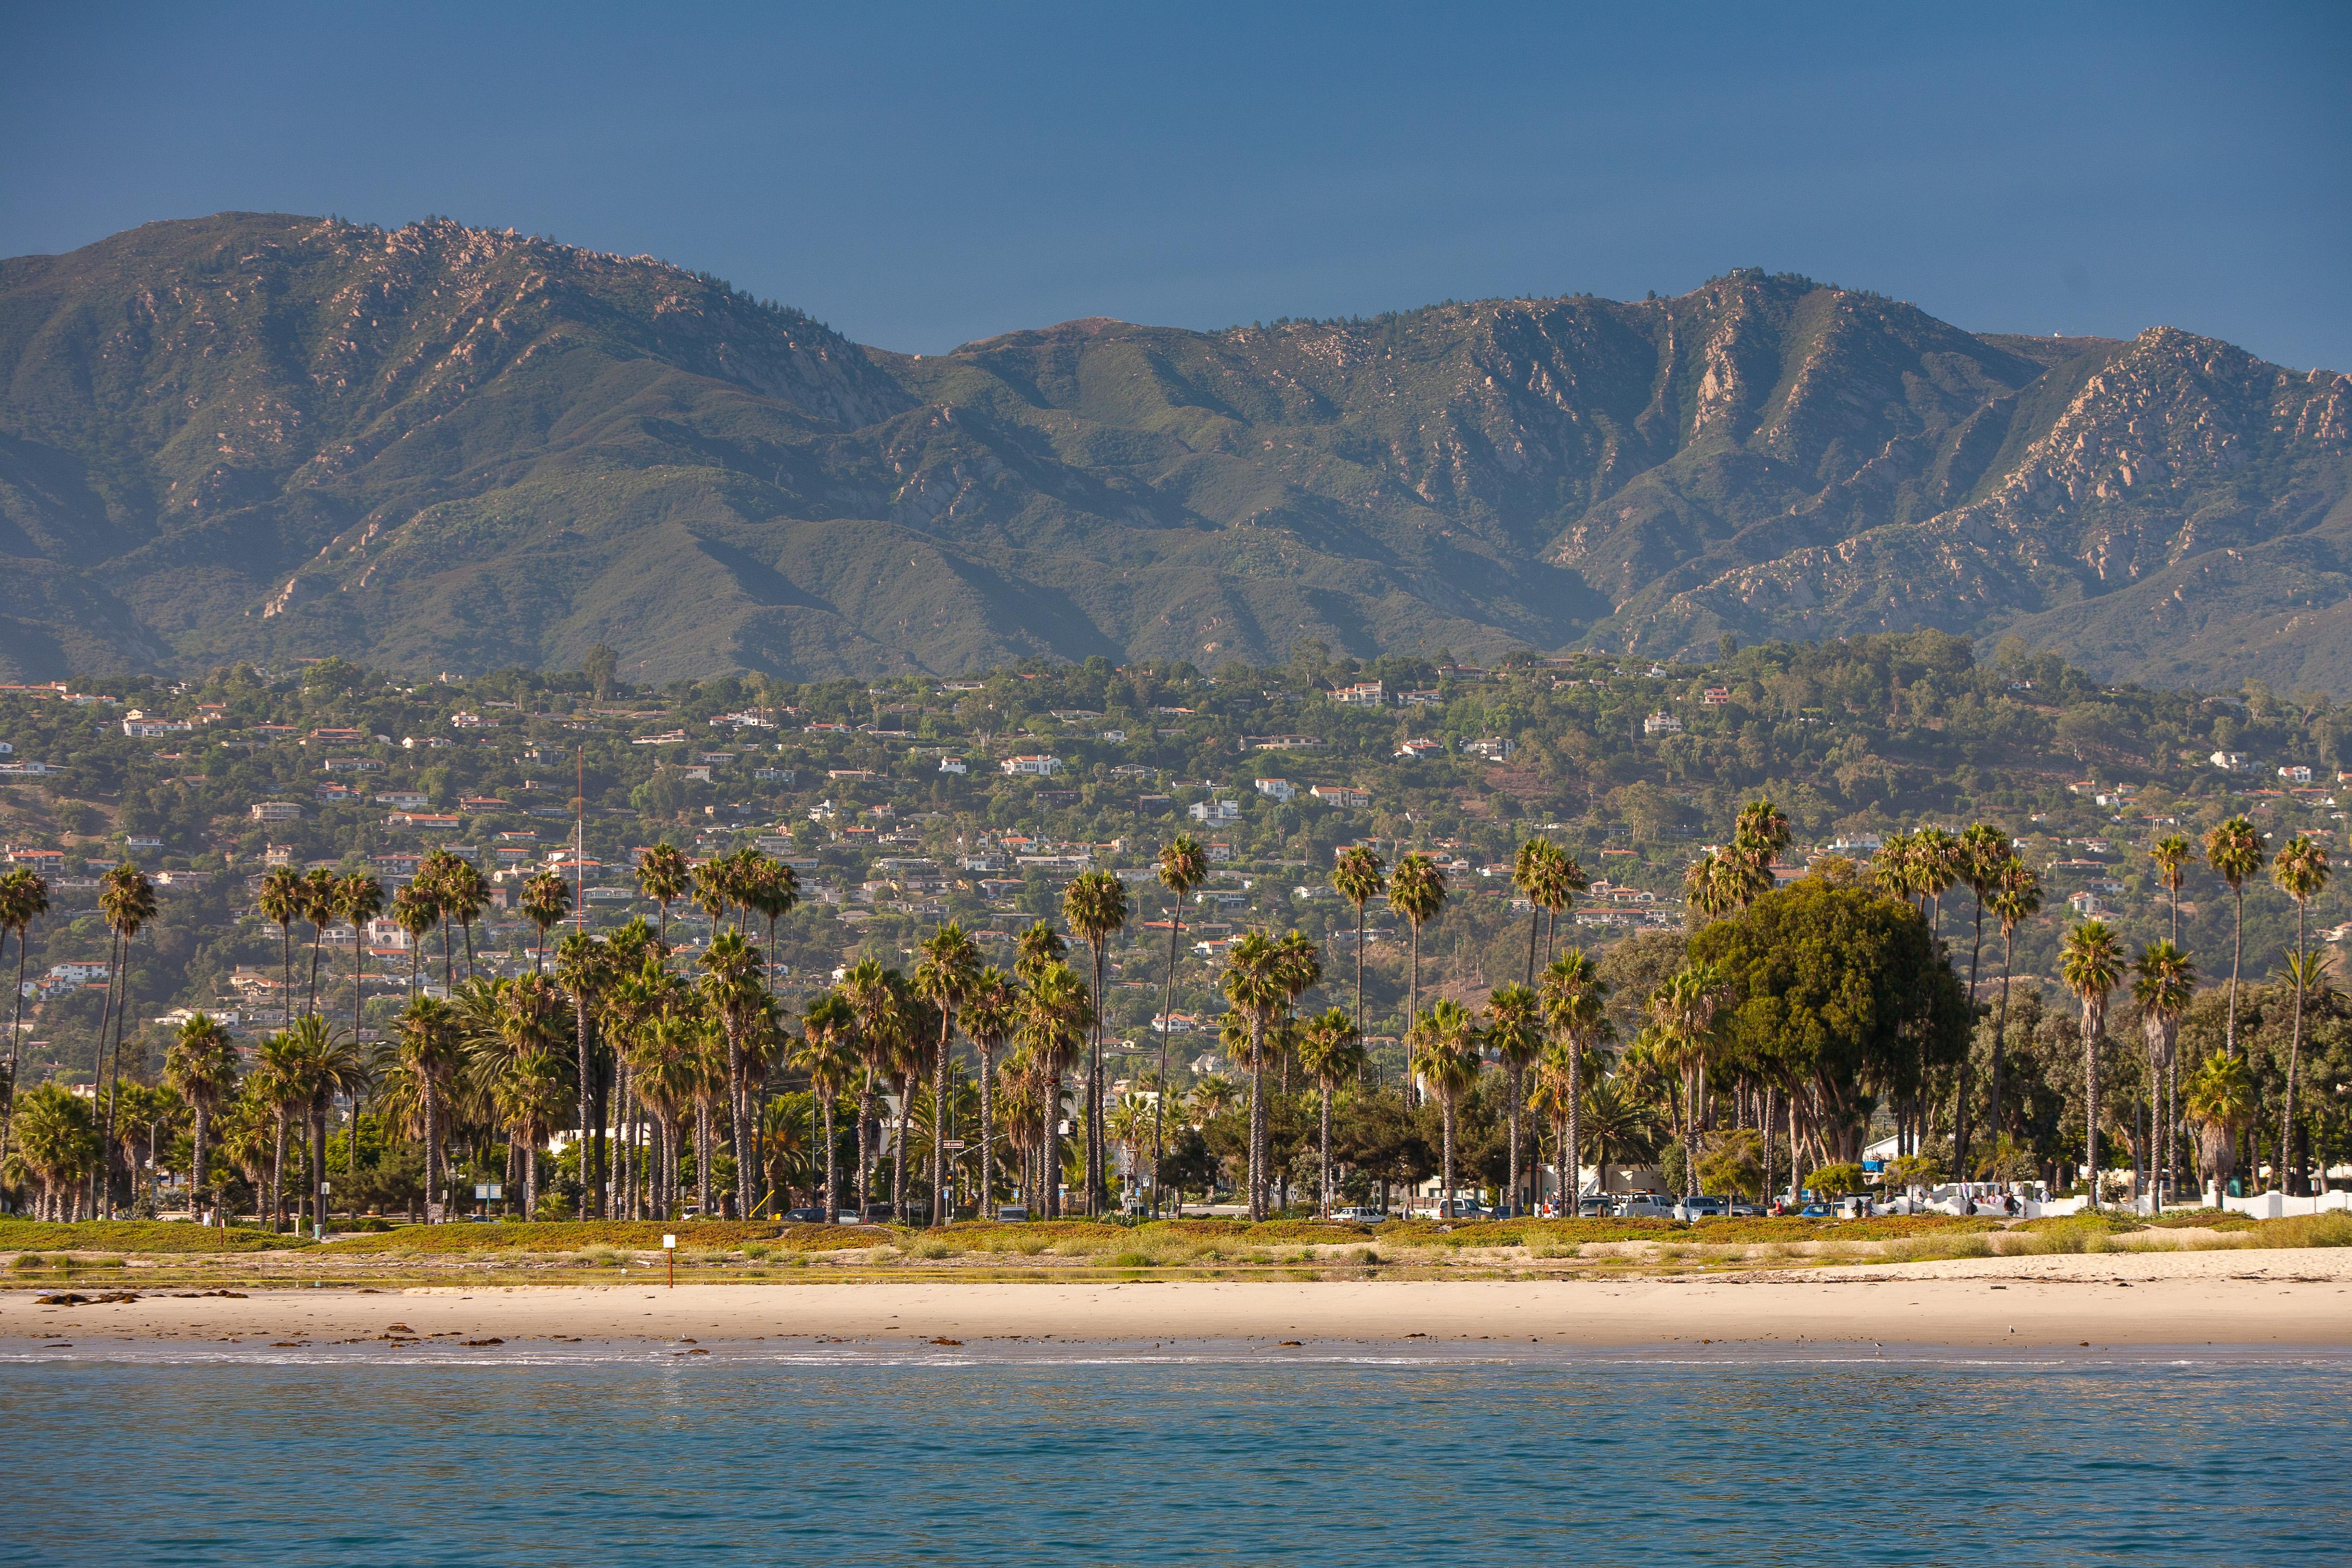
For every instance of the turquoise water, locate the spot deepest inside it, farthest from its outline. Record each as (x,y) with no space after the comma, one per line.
(1219,1456)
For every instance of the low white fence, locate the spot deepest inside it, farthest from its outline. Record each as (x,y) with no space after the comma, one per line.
(2278,1205)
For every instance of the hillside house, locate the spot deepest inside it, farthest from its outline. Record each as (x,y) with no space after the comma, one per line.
(1343,796)
(1494,748)
(1363,694)
(1032,765)
(2228,761)
(276,811)
(1662,725)
(1281,790)
(1215,810)
(1413,751)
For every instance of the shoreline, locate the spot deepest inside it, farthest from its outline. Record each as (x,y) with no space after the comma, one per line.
(2247,1299)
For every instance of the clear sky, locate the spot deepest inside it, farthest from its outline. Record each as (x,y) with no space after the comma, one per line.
(922,175)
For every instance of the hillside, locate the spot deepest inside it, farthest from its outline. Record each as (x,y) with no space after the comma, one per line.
(261,436)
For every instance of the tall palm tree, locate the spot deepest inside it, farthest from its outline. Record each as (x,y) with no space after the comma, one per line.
(945,978)
(321,895)
(319,1063)
(2301,872)
(358,899)
(1983,854)
(546,900)
(1713,884)
(2016,899)
(202,1065)
(1184,867)
(1094,905)
(872,994)
(824,1054)
(2163,983)
(127,900)
(1359,877)
(585,968)
(2234,850)
(1053,1024)
(1529,865)
(1416,891)
(24,899)
(1445,1057)
(2090,962)
(1575,1001)
(2171,855)
(463,896)
(1681,1013)
(772,890)
(664,875)
(1332,1051)
(1935,867)
(428,1051)
(278,1089)
(733,995)
(415,913)
(281,902)
(1515,1029)
(529,1094)
(991,1012)
(1252,985)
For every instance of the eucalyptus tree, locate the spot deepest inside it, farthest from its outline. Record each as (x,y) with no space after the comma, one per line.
(24,899)
(2163,983)
(1445,1057)
(1184,867)
(664,875)
(2090,963)
(1332,1051)
(945,977)
(1416,891)
(2234,849)
(201,1063)
(2300,870)
(1515,1029)
(1094,905)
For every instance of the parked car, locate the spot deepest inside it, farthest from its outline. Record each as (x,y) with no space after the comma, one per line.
(1645,1205)
(1359,1216)
(1013,1213)
(1817,1211)
(879,1213)
(1595,1208)
(1742,1209)
(805,1216)
(1701,1208)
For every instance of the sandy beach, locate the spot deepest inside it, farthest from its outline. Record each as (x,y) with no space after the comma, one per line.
(2239,1298)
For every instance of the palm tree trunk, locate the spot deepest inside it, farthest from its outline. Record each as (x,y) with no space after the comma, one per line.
(1571,1178)
(2091,1104)
(1049,1159)
(15,1033)
(2237,956)
(2000,1043)
(1359,970)
(1512,1087)
(1446,1190)
(1326,1210)
(318,938)
(1412,997)
(702,1140)
(196,1163)
(99,1179)
(864,1145)
(2294,1059)
(1167,1031)
(898,1148)
(987,1126)
(940,1212)
(831,1193)
(1257,1121)
(1097,1196)
(278,1176)
(1960,1097)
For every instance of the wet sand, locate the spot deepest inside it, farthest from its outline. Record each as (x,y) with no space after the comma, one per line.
(2244,1297)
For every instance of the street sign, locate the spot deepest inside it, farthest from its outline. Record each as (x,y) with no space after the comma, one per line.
(952,1145)
(670,1244)
(490,1191)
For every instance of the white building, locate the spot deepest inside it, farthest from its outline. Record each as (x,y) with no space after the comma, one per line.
(1282,790)
(1215,810)
(1413,750)
(1035,766)
(2296,773)
(1346,795)
(1662,725)
(954,765)
(2228,762)
(1494,748)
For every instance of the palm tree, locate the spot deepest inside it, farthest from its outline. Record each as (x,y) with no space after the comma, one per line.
(546,900)
(1252,985)
(429,1052)
(772,890)
(127,900)
(24,899)
(322,892)
(1053,1024)
(1935,867)
(1416,891)
(277,1090)
(1575,1001)
(1184,867)
(945,978)
(463,896)
(664,875)
(281,900)
(415,913)
(359,899)
(733,996)
(2234,850)
(824,1054)
(1682,1013)
(202,1065)
(2091,960)
(57,1141)
(2171,854)
(1445,1057)
(1359,877)
(1094,905)
(1528,878)
(1515,1029)
(2016,899)
(1332,1051)
(1983,854)
(872,994)
(585,968)
(319,1064)
(2220,1102)
(991,1012)
(528,1093)
(2301,872)
(2163,983)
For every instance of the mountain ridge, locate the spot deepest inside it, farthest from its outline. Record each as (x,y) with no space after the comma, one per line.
(270,436)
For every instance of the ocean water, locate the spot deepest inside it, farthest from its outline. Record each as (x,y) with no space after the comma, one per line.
(1232,1455)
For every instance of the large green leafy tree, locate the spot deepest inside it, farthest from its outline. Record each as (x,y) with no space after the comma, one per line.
(1832,987)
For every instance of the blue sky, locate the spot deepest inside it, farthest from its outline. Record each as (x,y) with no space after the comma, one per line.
(922,175)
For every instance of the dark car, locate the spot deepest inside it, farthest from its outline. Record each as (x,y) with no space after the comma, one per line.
(878,1214)
(806,1217)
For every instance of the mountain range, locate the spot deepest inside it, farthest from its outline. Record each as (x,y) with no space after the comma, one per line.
(263,437)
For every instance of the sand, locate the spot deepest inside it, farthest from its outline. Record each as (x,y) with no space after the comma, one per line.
(2246,1298)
